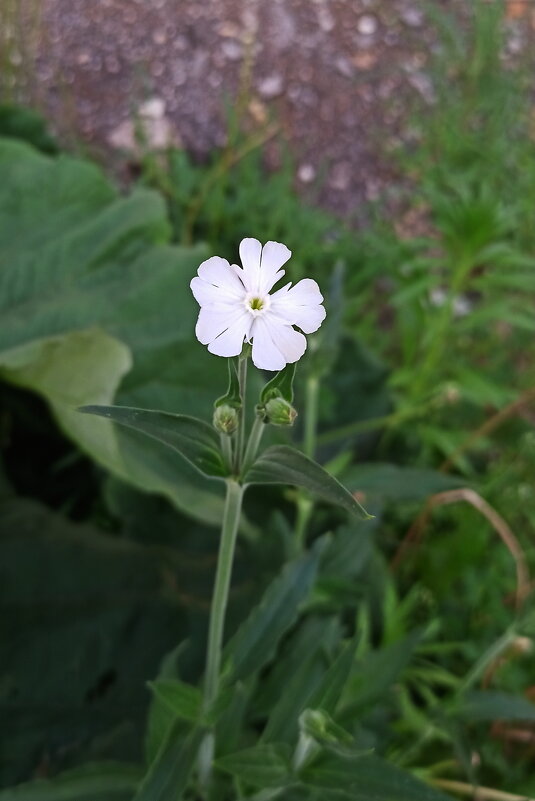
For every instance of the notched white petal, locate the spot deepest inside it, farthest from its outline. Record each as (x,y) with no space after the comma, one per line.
(265,354)
(291,343)
(250,253)
(218,272)
(211,323)
(300,305)
(207,294)
(274,255)
(230,342)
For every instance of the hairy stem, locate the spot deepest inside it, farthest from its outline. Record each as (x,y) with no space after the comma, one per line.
(240,439)
(229,530)
(252,445)
(226,448)
(305,504)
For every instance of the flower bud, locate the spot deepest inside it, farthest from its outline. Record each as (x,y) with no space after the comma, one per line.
(279,412)
(225,419)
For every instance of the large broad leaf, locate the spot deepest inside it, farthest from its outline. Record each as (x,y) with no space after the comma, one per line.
(95,308)
(281,464)
(107,781)
(256,640)
(365,778)
(193,439)
(85,620)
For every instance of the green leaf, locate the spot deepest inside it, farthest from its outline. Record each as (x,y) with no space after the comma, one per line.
(318,725)
(232,396)
(184,700)
(168,776)
(256,640)
(280,386)
(105,781)
(193,439)
(23,123)
(330,690)
(99,611)
(488,705)
(95,308)
(281,464)
(367,778)
(378,672)
(398,483)
(260,766)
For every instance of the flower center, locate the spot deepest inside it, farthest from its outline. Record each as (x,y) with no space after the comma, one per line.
(256,304)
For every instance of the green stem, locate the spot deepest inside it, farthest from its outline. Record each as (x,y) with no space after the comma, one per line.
(240,440)
(229,530)
(226,447)
(252,445)
(305,504)
(488,658)
(440,340)
(311,415)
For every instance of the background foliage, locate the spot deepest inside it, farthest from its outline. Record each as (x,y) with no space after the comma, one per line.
(412,634)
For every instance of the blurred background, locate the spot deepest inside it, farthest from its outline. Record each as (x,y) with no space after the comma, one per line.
(391,145)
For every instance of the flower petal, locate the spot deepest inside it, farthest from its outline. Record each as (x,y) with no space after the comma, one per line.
(230,342)
(276,344)
(209,295)
(300,305)
(218,272)
(274,255)
(250,253)
(265,354)
(291,343)
(212,322)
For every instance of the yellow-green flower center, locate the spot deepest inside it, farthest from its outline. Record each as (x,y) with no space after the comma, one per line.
(256,304)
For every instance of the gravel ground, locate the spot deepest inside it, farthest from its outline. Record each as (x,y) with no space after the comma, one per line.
(339,75)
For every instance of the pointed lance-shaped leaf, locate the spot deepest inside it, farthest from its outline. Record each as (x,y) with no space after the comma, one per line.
(281,386)
(284,465)
(193,439)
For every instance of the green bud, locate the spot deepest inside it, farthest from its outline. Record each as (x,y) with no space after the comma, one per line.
(279,412)
(225,419)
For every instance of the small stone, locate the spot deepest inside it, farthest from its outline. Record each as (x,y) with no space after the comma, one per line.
(412,17)
(306,173)
(325,19)
(159,36)
(424,85)
(365,60)
(367,25)
(340,176)
(84,57)
(229,29)
(153,109)
(232,49)
(344,66)
(271,86)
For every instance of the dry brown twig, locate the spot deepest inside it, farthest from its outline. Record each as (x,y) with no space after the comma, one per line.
(416,532)
(489,426)
(478,793)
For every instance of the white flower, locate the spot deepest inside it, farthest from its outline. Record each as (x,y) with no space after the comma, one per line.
(236,306)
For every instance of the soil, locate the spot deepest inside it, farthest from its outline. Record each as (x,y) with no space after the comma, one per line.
(339,76)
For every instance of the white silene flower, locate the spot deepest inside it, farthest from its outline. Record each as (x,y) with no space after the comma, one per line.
(237,307)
